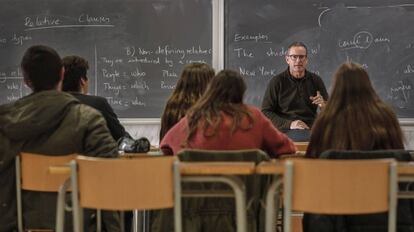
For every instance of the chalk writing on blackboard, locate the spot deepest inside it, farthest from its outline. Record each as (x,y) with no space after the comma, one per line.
(376,34)
(136,49)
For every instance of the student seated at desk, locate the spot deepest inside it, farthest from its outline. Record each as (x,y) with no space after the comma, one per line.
(355,118)
(49,122)
(221,121)
(191,85)
(76,83)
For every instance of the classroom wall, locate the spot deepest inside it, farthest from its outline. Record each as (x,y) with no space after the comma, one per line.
(143,128)
(409,136)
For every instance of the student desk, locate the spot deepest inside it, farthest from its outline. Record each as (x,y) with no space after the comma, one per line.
(405,174)
(301,146)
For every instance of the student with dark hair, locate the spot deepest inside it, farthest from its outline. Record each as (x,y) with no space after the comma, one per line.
(293,97)
(191,85)
(76,83)
(49,122)
(221,121)
(356,119)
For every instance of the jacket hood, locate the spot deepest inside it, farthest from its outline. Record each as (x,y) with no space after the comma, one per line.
(34,114)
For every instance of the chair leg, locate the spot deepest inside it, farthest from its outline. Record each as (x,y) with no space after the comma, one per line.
(178,226)
(272,205)
(77,212)
(136,221)
(241,209)
(122,218)
(19,195)
(392,211)
(98,220)
(60,208)
(288,197)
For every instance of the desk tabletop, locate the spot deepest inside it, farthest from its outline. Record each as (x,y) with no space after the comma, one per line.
(277,167)
(217,168)
(237,168)
(270,168)
(301,146)
(405,168)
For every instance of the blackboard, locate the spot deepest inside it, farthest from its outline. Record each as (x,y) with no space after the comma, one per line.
(379,34)
(136,48)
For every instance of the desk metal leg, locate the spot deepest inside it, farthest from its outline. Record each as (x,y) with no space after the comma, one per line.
(98,220)
(140,221)
(60,208)
(145,220)
(19,195)
(136,221)
(239,193)
(272,205)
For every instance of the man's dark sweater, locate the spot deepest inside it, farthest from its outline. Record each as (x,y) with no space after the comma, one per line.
(288,99)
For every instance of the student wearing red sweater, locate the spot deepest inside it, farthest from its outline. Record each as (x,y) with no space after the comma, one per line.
(220,121)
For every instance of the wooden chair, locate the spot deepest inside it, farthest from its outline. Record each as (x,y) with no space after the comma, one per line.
(32,173)
(125,184)
(340,187)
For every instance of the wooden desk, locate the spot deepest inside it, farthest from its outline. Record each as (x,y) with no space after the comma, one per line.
(301,146)
(405,174)
(406,169)
(217,168)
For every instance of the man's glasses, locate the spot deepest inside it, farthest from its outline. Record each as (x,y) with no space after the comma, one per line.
(295,57)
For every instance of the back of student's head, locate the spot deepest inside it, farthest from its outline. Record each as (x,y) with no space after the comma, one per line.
(41,67)
(226,87)
(191,85)
(224,94)
(76,69)
(193,80)
(352,85)
(354,118)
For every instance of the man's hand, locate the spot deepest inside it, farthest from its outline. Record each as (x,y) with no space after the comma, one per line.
(318,100)
(298,124)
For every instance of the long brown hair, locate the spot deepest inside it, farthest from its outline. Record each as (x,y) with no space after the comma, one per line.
(224,94)
(354,118)
(191,85)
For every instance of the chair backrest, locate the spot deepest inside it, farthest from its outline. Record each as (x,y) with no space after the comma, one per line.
(340,187)
(199,155)
(145,182)
(32,173)
(35,174)
(125,184)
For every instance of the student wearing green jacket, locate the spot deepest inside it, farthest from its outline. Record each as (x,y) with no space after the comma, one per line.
(49,122)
